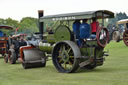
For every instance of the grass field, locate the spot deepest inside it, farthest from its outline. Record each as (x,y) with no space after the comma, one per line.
(113,72)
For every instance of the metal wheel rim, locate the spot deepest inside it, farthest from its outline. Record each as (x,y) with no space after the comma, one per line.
(10,57)
(114,36)
(64,58)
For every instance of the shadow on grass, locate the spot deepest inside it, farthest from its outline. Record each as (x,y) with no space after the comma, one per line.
(1,57)
(48,68)
(18,62)
(97,70)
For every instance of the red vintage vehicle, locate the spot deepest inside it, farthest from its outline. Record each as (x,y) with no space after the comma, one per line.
(4,39)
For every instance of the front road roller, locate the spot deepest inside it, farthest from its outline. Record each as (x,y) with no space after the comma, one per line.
(32,57)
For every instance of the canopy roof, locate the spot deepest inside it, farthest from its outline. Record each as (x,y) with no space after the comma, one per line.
(79,15)
(6,27)
(123,21)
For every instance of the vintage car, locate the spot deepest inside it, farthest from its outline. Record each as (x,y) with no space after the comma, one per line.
(121,31)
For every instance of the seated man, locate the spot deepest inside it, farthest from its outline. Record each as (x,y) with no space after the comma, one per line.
(49,29)
(15,45)
(94,26)
(22,42)
(84,31)
(76,30)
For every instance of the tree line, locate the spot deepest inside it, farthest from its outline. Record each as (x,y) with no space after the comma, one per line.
(27,25)
(118,16)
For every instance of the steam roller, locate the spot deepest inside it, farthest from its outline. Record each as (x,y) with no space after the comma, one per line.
(32,57)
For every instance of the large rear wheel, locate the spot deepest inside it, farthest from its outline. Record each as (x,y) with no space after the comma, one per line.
(65,55)
(12,56)
(116,36)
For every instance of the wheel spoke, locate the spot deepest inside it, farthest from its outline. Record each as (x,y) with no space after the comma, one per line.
(126,34)
(59,56)
(69,50)
(63,48)
(71,56)
(70,63)
(65,66)
(126,38)
(60,61)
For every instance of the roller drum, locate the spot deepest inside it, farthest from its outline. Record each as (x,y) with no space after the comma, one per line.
(33,58)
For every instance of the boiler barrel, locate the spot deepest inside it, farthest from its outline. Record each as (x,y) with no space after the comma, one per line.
(45,47)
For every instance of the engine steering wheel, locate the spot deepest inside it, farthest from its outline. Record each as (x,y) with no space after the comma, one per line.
(102,36)
(125,37)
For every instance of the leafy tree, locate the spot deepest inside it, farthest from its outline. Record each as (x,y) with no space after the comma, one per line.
(28,25)
(118,17)
(2,21)
(9,22)
(13,23)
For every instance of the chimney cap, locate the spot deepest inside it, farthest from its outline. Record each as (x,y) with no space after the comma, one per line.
(40,11)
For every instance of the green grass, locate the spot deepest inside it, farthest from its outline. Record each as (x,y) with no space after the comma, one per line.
(113,72)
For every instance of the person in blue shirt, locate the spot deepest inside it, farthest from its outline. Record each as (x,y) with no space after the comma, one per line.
(85,30)
(1,34)
(76,30)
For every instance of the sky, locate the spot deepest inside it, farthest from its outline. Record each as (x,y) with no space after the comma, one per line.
(17,9)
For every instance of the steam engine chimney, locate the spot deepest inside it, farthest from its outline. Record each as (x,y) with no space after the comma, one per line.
(41,24)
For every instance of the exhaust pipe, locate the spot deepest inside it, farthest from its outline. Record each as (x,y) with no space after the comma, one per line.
(41,24)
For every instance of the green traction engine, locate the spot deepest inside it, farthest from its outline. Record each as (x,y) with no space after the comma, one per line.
(59,42)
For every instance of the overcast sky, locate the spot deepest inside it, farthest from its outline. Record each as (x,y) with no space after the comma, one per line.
(17,9)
